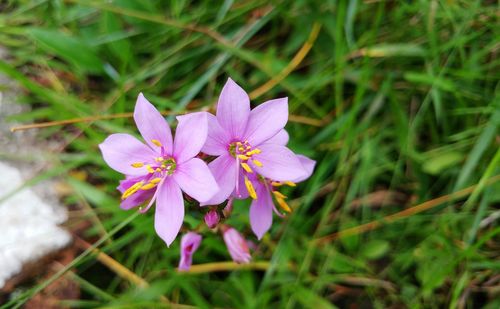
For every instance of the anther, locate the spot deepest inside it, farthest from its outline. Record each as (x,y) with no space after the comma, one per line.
(243,157)
(148,186)
(279,194)
(252,152)
(283,205)
(257,162)
(156,142)
(155,180)
(290,183)
(150,169)
(250,188)
(246,167)
(137,164)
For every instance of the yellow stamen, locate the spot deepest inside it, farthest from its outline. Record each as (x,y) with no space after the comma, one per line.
(241,149)
(250,188)
(276,184)
(283,205)
(158,169)
(148,186)
(243,157)
(137,164)
(132,189)
(252,152)
(279,194)
(290,183)
(150,169)
(156,142)
(246,167)
(163,166)
(257,162)
(158,159)
(155,180)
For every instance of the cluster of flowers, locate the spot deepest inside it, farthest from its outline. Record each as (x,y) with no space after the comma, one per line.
(248,158)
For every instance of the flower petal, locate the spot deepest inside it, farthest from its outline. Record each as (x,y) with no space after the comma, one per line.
(233,109)
(281,138)
(224,171)
(169,212)
(190,136)
(218,139)
(152,125)
(196,180)
(308,165)
(236,246)
(261,211)
(278,163)
(121,150)
(266,120)
(189,244)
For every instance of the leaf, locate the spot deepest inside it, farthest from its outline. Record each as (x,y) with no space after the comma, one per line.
(439,163)
(71,49)
(375,249)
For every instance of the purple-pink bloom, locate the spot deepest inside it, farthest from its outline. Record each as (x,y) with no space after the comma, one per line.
(245,142)
(212,218)
(261,209)
(163,168)
(189,244)
(236,245)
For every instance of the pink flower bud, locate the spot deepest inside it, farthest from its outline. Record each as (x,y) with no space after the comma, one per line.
(212,218)
(236,245)
(189,244)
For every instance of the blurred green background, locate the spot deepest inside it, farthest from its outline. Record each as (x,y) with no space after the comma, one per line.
(398,101)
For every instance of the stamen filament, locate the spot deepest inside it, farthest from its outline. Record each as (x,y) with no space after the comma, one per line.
(246,167)
(250,188)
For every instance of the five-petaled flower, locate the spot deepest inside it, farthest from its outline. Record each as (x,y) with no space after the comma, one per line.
(245,143)
(163,168)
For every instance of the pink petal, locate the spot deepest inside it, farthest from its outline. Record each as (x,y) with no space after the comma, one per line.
(224,171)
(189,244)
(261,211)
(152,125)
(169,212)
(190,136)
(137,199)
(196,180)
(121,150)
(281,138)
(278,163)
(308,165)
(266,120)
(233,109)
(236,246)
(218,140)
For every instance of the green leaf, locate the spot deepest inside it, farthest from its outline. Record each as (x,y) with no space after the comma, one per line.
(375,249)
(71,49)
(439,163)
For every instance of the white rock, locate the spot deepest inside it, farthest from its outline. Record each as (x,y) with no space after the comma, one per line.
(28,226)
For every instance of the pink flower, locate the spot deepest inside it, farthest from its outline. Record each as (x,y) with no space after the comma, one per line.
(236,245)
(163,168)
(245,143)
(261,209)
(189,244)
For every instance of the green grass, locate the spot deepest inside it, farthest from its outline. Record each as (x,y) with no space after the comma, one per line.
(408,95)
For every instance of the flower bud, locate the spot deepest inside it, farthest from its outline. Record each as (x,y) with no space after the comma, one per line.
(212,218)
(189,244)
(236,245)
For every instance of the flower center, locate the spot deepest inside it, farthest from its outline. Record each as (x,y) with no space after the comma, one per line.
(244,154)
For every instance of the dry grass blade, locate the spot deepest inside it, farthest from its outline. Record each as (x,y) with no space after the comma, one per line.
(297,59)
(402,214)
